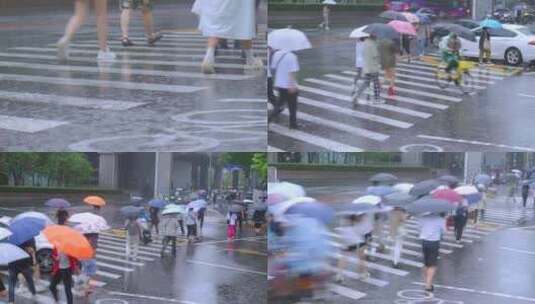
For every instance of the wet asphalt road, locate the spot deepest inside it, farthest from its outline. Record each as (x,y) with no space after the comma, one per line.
(210,271)
(493,265)
(149,99)
(421,118)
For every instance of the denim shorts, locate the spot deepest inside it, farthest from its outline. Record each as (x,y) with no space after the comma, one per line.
(89,267)
(135,4)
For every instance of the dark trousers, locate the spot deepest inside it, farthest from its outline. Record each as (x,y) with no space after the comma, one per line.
(290,99)
(13,278)
(2,287)
(181,223)
(169,239)
(65,276)
(192,230)
(200,218)
(271,96)
(524,199)
(460,222)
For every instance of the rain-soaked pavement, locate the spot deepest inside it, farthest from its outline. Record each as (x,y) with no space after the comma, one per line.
(422,117)
(492,265)
(212,270)
(151,98)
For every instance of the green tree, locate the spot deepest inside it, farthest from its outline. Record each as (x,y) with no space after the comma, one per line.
(18,165)
(260,165)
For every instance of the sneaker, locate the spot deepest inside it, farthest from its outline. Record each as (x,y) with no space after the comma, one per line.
(106,55)
(63,49)
(207,67)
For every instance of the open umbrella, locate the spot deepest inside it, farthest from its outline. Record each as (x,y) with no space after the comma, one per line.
(383,178)
(380,190)
(393,15)
(368,199)
(131,211)
(382,31)
(5,220)
(288,40)
(411,18)
(25,229)
(448,180)
(198,204)
(511,178)
(403,27)
(33,214)
(236,208)
(424,187)
(328,2)
(358,208)
(448,195)
(462,31)
(57,203)
(491,23)
(399,199)
(4,233)
(157,203)
(10,253)
(69,241)
(174,209)
(280,192)
(88,217)
(429,205)
(315,210)
(403,187)
(95,201)
(484,179)
(470,193)
(359,33)
(424,19)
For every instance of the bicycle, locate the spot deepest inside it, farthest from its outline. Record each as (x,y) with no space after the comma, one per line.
(462,76)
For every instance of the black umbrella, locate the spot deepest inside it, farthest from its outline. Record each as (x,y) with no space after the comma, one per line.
(393,15)
(399,199)
(448,180)
(384,178)
(430,205)
(462,31)
(382,31)
(424,187)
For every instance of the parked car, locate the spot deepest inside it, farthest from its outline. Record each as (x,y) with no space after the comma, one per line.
(513,43)
(42,245)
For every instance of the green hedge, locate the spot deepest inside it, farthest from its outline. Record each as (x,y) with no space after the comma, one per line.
(363,168)
(13,189)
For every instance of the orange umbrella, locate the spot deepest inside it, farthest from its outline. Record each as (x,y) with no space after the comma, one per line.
(69,241)
(95,201)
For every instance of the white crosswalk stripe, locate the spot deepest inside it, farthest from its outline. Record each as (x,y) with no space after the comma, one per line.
(172,67)
(324,97)
(380,271)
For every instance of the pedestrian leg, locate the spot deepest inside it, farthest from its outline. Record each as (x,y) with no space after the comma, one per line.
(125,22)
(128,249)
(292,107)
(358,76)
(54,284)
(376,87)
(165,241)
(28,276)
(173,243)
(81,8)
(101,10)
(251,62)
(135,249)
(181,223)
(12,284)
(207,65)
(365,84)
(398,243)
(362,266)
(341,265)
(66,277)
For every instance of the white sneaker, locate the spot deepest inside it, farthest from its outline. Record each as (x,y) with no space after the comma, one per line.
(339,278)
(63,49)
(207,67)
(106,55)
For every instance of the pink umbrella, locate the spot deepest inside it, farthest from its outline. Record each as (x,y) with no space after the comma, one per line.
(403,27)
(448,195)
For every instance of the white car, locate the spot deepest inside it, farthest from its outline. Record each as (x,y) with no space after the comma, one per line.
(513,43)
(42,245)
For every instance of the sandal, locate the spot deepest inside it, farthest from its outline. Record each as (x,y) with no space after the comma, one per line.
(126,42)
(153,39)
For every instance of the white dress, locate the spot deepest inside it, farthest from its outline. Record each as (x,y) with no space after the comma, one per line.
(229,19)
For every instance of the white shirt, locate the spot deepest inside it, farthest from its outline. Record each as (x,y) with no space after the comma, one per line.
(229,19)
(359,51)
(431,227)
(354,234)
(232,219)
(287,65)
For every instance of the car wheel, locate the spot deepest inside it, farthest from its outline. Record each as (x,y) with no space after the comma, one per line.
(44,258)
(513,56)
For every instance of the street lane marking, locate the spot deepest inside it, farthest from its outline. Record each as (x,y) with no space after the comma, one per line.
(380,106)
(355,113)
(449,232)
(245,251)
(28,125)
(82,102)
(432,74)
(518,250)
(479,70)
(273,149)
(372,265)
(107,246)
(356,276)
(177,46)
(148,48)
(122,253)
(525,95)
(199,40)
(133,295)
(101,83)
(478,73)
(122,71)
(124,261)
(106,265)
(251,100)
(346,292)
(313,139)
(490,293)
(227,267)
(475,142)
(410,100)
(108,274)
(340,126)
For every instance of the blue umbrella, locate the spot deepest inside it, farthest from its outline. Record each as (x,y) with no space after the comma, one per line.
(484,179)
(131,211)
(473,198)
(424,19)
(25,229)
(380,190)
(314,210)
(491,23)
(157,203)
(57,203)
